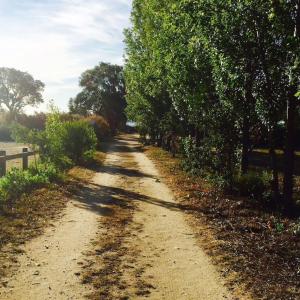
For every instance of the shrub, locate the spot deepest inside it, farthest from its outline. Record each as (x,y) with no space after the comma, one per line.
(51,142)
(100,125)
(67,143)
(48,170)
(197,158)
(16,181)
(67,117)
(79,141)
(5,133)
(192,157)
(36,121)
(61,143)
(253,184)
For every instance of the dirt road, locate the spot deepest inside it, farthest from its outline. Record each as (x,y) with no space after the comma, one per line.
(158,255)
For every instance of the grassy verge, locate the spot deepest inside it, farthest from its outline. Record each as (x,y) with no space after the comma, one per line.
(252,247)
(27,216)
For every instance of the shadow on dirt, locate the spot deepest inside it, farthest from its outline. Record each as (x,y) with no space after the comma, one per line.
(99,198)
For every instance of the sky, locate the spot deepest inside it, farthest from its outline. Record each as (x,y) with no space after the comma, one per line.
(56,40)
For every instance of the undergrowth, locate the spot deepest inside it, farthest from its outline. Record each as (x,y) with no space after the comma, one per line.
(17,182)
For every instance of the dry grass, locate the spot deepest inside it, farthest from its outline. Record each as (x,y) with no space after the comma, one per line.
(103,270)
(112,266)
(26,219)
(240,235)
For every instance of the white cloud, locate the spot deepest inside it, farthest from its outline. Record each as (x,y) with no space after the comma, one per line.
(56,41)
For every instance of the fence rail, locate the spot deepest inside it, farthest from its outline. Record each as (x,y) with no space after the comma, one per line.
(4,158)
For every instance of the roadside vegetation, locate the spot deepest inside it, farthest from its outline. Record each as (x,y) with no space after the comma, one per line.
(216,84)
(215,80)
(62,140)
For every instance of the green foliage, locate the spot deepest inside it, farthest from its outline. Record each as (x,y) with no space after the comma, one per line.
(66,143)
(46,170)
(17,182)
(196,158)
(5,133)
(222,70)
(253,184)
(61,143)
(103,93)
(279,227)
(78,141)
(100,125)
(19,89)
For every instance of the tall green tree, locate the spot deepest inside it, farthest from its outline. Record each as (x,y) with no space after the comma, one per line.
(226,70)
(103,93)
(19,89)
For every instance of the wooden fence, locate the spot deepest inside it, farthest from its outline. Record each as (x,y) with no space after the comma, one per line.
(4,158)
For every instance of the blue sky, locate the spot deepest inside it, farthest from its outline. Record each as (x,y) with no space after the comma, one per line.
(56,40)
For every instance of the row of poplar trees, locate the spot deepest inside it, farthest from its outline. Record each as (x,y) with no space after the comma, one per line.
(221,71)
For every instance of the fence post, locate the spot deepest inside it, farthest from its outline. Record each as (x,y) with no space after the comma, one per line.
(25,159)
(2,163)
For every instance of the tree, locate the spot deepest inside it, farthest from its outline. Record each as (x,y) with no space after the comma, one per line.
(19,89)
(285,16)
(225,70)
(103,94)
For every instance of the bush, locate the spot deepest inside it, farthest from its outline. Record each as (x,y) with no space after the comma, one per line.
(100,125)
(61,143)
(16,181)
(5,133)
(252,184)
(197,159)
(66,143)
(36,121)
(79,141)
(67,117)
(48,170)
(192,157)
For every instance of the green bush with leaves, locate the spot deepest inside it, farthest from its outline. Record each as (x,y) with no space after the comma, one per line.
(63,143)
(197,158)
(100,125)
(253,184)
(17,182)
(79,141)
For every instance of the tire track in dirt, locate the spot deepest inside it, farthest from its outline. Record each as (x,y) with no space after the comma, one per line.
(156,254)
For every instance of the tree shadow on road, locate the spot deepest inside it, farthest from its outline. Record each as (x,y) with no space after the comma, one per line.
(101,199)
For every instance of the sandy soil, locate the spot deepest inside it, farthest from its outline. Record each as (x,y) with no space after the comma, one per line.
(161,247)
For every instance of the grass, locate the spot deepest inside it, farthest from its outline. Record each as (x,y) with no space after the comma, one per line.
(252,247)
